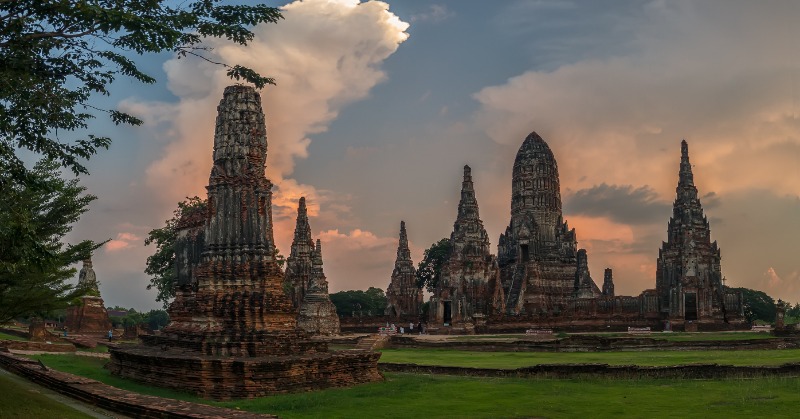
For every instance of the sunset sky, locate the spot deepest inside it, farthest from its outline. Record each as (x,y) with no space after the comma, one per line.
(378,106)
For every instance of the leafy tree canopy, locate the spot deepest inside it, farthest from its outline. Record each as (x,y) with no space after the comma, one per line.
(371,302)
(56,54)
(757,305)
(161,264)
(34,261)
(429,269)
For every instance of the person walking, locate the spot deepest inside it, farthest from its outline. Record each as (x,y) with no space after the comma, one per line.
(110,334)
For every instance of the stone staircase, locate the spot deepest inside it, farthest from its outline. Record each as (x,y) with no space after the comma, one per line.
(373,342)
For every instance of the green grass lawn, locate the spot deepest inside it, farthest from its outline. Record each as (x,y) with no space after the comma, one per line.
(409,395)
(6,336)
(513,360)
(98,348)
(19,402)
(674,336)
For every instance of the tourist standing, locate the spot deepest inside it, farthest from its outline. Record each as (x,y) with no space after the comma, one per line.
(110,334)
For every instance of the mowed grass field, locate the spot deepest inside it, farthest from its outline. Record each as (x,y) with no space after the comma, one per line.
(511,360)
(412,395)
(20,402)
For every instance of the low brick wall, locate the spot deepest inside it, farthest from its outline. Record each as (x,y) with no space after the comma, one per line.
(37,346)
(593,343)
(693,371)
(114,399)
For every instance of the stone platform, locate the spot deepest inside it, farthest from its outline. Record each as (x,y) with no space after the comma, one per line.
(224,378)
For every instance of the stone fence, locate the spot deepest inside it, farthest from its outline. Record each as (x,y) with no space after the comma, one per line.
(593,343)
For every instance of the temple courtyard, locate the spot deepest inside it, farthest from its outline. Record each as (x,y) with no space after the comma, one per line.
(445,378)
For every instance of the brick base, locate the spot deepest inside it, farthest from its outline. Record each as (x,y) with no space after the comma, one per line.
(223,378)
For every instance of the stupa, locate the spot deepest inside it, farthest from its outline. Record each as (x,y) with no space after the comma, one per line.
(234,331)
(89,317)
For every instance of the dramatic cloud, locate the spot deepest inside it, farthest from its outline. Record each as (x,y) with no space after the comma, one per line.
(723,78)
(324,55)
(358,258)
(621,203)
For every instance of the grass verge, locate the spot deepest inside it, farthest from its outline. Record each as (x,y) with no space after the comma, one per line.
(6,336)
(409,395)
(17,401)
(513,360)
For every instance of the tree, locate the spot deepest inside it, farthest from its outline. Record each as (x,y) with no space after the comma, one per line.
(161,264)
(156,319)
(34,261)
(757,305)
(56,54)
(371,302)
(429,269)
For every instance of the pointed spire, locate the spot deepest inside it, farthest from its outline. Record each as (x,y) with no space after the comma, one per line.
(402,248)
(686,177)
(302,242)
(468,205)
(318,252)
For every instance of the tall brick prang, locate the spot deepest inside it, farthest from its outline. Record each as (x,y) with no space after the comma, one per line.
(234,331)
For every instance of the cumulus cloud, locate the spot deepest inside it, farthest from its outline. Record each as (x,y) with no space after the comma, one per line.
(324,55)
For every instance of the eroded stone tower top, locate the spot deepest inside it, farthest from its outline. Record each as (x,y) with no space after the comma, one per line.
(535,189)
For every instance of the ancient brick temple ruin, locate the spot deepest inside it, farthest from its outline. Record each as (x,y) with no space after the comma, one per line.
(463,297)
(541,268)
(403,295)
(541,278)
(233,330)
(306,280)
(89,317)
(688,275)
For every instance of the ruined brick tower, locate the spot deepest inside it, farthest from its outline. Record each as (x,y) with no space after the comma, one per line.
(463,296)
(537,254)
(403,295)
(298,264)
(233,331)
(88,317)
(688,275)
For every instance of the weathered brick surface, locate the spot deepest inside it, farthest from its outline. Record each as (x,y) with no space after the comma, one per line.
(233,330)
(37,346)
(306,280)
(404,298)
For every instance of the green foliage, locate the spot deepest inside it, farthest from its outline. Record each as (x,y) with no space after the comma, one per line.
(371,302)
(161,264)
(55,55)
(429,269)
(34,261)
(154,319)
(758,306)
